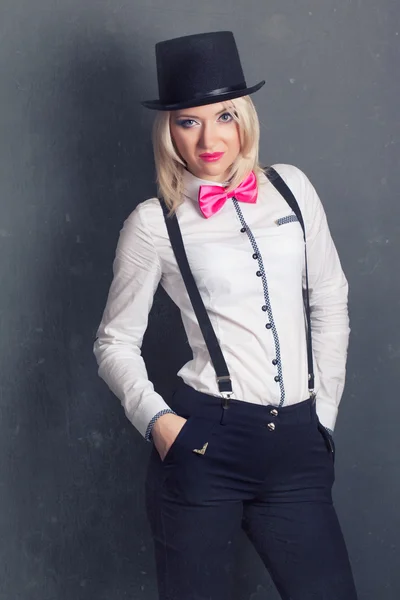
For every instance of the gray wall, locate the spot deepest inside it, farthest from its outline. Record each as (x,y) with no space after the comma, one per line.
(75,158)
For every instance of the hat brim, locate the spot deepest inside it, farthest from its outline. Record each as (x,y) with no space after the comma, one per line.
(201,101)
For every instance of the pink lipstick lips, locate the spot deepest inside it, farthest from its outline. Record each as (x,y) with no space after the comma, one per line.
(211,157)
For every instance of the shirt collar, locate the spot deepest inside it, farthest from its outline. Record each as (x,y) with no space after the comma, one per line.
(192,184)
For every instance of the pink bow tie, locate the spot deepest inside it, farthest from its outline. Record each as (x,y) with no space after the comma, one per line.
(213,197)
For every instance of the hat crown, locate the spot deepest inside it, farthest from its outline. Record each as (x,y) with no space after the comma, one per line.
(199,69)
(193,65)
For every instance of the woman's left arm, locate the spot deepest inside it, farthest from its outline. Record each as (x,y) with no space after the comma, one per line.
(328,302)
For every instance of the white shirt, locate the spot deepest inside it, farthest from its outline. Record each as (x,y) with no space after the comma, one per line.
(222,262)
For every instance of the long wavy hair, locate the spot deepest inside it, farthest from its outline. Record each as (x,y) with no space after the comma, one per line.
(170,166)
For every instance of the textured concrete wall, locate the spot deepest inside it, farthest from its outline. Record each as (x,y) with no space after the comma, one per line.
(75,158)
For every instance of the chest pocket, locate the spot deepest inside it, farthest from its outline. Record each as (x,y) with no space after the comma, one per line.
(287,219)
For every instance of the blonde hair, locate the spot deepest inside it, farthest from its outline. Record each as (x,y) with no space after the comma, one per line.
(170,166)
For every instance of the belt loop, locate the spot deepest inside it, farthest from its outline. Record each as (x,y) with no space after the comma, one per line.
(225,400)
(225,405)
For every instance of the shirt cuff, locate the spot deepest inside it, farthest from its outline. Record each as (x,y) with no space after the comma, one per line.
(327,413)
(148,437)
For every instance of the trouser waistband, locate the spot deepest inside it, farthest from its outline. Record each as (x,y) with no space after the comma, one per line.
(187,401)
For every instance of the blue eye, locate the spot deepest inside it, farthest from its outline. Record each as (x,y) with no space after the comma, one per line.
(226,114)
(185,123)
(226,117)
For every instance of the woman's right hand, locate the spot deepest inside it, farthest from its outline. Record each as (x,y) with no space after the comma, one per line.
(165,431)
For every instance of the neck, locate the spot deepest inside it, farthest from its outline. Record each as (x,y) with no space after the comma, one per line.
(206,179)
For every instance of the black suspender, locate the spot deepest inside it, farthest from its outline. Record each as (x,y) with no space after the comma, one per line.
(287,193)
(217,358)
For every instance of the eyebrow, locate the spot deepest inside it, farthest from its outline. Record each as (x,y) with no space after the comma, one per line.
(185,116)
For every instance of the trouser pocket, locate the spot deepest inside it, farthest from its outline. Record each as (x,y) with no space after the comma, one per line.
(328,439)
(187,469)
(196,431)
(178,438)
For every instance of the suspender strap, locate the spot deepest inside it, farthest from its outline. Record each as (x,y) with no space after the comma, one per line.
(217,358)
(286,192)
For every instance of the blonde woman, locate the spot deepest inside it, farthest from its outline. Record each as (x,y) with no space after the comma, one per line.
(246,439)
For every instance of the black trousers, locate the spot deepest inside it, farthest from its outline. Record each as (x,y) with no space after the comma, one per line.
(264,469)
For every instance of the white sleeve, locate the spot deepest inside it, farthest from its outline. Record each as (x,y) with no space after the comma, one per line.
(117,348)
(328,302)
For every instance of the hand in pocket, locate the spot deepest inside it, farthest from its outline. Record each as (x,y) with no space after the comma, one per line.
(165,431)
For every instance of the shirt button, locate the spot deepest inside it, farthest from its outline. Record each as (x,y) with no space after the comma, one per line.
(268,326)
(243,229)
(264,308)
(277,378)
(255,255)
(258,273)
(274,362)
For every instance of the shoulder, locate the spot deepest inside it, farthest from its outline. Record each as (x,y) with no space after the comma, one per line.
(304,192)
(294,177)
(300,185)
(145,217)
(138,227)
(144,211)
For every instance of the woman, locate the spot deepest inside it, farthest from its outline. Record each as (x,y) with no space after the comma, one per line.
(245,441)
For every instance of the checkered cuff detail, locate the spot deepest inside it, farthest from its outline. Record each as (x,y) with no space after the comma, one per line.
(148,436)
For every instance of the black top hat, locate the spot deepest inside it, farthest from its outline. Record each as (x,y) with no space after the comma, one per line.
(199,69)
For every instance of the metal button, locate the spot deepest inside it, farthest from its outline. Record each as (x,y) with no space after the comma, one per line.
(264,308)
(274,412)
(274,362)
(258,273)
(277,378)
(271,426)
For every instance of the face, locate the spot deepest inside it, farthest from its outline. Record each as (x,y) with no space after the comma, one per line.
(207,138)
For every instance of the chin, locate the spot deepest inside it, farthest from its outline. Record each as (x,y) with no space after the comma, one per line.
(212,170)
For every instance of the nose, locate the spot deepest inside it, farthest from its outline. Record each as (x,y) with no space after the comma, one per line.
(208,137)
